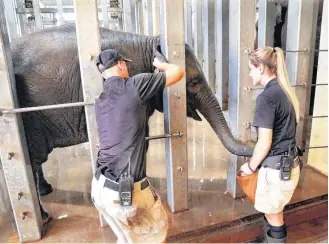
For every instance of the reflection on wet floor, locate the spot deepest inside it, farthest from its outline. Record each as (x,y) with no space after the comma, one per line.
(76,220)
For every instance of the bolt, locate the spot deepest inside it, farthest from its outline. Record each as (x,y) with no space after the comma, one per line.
(24,214)
(247,89)
(180,168)
(10,155)
(307,50)
(180,134)
(19,195)
(176,53)
(247,51)
(177,95)
(246,125)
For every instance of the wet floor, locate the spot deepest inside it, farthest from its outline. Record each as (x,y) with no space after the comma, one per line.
(76,220)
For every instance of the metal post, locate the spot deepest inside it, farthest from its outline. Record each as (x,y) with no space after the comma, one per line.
(242,36)
(172,45)
(156,17)
(197,29)
(222,51)
(209,42)
(60,12)
(188,22)
(299,36)
(88,38)
(319,131)
(14,154)
(266,23)
(129,16)
(105,14)
(147,17)
(22,18)
(37,15)
(11,19)
(139,17)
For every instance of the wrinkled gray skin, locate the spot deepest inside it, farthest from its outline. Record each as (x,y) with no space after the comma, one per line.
(47,72)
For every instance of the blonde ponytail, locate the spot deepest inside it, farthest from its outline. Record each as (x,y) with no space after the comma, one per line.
(283,79)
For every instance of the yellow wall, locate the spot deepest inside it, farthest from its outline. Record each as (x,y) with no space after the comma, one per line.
(318,158)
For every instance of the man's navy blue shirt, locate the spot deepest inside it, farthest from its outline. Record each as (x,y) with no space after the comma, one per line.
(121,114)
(275,111)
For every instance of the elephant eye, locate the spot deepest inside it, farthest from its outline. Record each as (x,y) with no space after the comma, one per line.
(194,82)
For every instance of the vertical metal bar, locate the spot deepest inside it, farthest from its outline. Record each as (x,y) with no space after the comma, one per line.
(197,29)
(14,154)
(11,19)
(319,130)
(156,17)
(209,42)
(88,38)
(222,51)
(37,15)
(60,12)
(129,16)
(172,45)
(22,18)
(299,36)
(266,23)
(242,36)
(105,14)
(188,22)
(141,27)
(147,16)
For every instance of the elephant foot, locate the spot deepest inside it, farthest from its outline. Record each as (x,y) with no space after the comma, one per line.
(45,221)
(44,188)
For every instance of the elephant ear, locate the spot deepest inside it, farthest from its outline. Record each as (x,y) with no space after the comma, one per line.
(158,54)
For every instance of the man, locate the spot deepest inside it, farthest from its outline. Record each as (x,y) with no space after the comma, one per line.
(122,119)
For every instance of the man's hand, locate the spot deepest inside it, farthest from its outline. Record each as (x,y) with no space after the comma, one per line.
(245,169)
(173,72)
(158,64)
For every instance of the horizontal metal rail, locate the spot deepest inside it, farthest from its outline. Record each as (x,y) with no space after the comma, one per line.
(248,89)
(46,107)
(306,50)
(310,148)
(178,134)
(317,117)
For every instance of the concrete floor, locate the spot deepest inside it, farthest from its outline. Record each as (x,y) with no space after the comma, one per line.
(76,219)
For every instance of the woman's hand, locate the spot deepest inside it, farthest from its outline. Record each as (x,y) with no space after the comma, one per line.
(245,169)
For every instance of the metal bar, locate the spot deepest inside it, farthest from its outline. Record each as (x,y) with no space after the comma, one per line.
(37,15)
(317,117)
(14,155)
(105,14)
(156,17)
(22,10)
(248,89)
(242,36)
(129,16)
(297,63)
(61,19)
(188,22)
(209,42)
(310,148)
(22,18)
(178,134)
(148,17)
(11,19)
(173,46)
(222,51)
(46,107)
(319,129)
(266,23)
(197,29)
(306,51)
(88,38)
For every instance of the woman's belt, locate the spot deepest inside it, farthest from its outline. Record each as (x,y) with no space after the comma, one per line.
(275,162)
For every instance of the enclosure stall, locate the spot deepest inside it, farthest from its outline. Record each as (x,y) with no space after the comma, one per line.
(188,160)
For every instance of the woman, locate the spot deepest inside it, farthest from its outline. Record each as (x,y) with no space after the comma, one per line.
(276,118)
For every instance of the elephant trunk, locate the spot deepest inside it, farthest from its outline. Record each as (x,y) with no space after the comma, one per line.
(211,110)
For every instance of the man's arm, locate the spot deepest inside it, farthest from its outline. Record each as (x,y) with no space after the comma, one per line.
(173,72)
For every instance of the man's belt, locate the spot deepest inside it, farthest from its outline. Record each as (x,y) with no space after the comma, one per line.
(112,185)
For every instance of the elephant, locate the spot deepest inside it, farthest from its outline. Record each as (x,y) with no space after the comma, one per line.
(47,71)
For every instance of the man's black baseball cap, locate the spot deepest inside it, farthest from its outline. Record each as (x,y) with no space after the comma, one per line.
(109,58)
